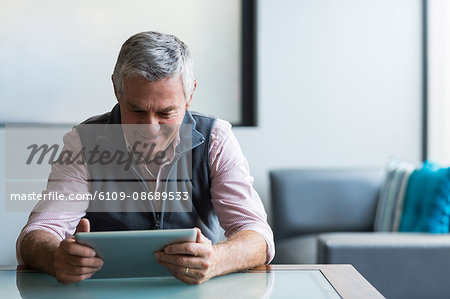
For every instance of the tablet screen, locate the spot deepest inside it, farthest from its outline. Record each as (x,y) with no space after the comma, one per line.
(131,253)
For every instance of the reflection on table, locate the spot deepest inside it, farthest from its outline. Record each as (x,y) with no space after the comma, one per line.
(279,281)
(236,285)
(264,284)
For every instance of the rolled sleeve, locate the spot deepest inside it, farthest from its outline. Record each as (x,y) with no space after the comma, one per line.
(61,225)
(236,203)
(60,219)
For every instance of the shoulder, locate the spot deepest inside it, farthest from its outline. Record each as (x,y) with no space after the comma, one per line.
(221,129)
(223,144)
(97,119)
(216,128)
(92,127)
(203,122)
(72,139)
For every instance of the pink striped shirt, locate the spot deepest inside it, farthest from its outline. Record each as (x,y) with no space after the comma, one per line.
(234,199)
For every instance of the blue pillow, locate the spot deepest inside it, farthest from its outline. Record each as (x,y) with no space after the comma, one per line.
(426,206)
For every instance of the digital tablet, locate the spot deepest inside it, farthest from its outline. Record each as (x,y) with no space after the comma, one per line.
(131,253)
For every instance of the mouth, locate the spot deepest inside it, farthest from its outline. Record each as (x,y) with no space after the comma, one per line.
(138,135)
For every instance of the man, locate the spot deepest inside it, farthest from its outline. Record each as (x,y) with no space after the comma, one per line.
(154,85)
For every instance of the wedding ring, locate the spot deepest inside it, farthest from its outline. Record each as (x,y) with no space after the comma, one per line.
(186,271)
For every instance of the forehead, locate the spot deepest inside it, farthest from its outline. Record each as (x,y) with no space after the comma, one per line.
(139,90)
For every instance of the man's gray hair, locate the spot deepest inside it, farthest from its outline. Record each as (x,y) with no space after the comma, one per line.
(154,56)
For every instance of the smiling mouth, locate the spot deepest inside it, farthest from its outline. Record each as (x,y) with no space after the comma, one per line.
(139,135)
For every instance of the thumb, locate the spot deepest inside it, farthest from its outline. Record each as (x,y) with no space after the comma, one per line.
(201,238)
(83,226)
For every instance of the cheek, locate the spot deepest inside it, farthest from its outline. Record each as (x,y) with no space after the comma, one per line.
(170,121)
(180,116)
(132,118)
(175,119)
(126,117)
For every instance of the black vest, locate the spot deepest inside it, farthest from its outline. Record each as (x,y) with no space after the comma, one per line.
(188,172)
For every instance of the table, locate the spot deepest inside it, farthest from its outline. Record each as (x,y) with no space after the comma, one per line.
(272,281)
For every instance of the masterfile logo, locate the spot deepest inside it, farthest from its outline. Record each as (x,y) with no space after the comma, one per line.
(51,154)
(151,168)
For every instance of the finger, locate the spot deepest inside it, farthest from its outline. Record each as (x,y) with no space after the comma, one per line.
(201,238)
(83,226)
(94,262)
(180,272)
(180,260)
(74,270)
(66,278)
(189,248)
(73,248)
(179,248)
(185,278)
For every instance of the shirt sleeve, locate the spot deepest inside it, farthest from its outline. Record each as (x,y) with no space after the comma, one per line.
(60,218)
(236,202)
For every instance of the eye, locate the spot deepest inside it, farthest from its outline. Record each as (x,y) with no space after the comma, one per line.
(164,114)
(137,111)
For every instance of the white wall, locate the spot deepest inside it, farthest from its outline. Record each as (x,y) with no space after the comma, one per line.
(339,85)
(76,43)
(439,77)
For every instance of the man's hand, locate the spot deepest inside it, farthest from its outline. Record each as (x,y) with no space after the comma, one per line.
(190,262)
(75,262)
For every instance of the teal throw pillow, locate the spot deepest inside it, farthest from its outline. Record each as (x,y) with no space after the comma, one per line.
(426,206)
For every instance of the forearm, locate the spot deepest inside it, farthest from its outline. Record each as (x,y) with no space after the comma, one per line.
(245,249)
(38,249)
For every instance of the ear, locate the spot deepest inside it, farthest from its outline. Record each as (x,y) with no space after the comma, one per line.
(115,89)
(188,103)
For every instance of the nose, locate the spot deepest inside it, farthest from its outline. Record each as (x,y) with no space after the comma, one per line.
(152,130)
(152,126)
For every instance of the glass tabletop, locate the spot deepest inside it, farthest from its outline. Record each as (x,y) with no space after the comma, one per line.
(272,284)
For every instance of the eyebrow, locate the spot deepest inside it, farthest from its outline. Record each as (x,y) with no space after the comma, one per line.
(168,109)
(135,107)
(164,110)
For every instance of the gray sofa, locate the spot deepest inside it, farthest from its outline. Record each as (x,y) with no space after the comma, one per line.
(327,216)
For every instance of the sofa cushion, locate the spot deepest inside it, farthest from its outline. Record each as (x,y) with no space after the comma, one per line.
(296,250)
(399,265)
(307,201)
(426,206)
(390,204)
